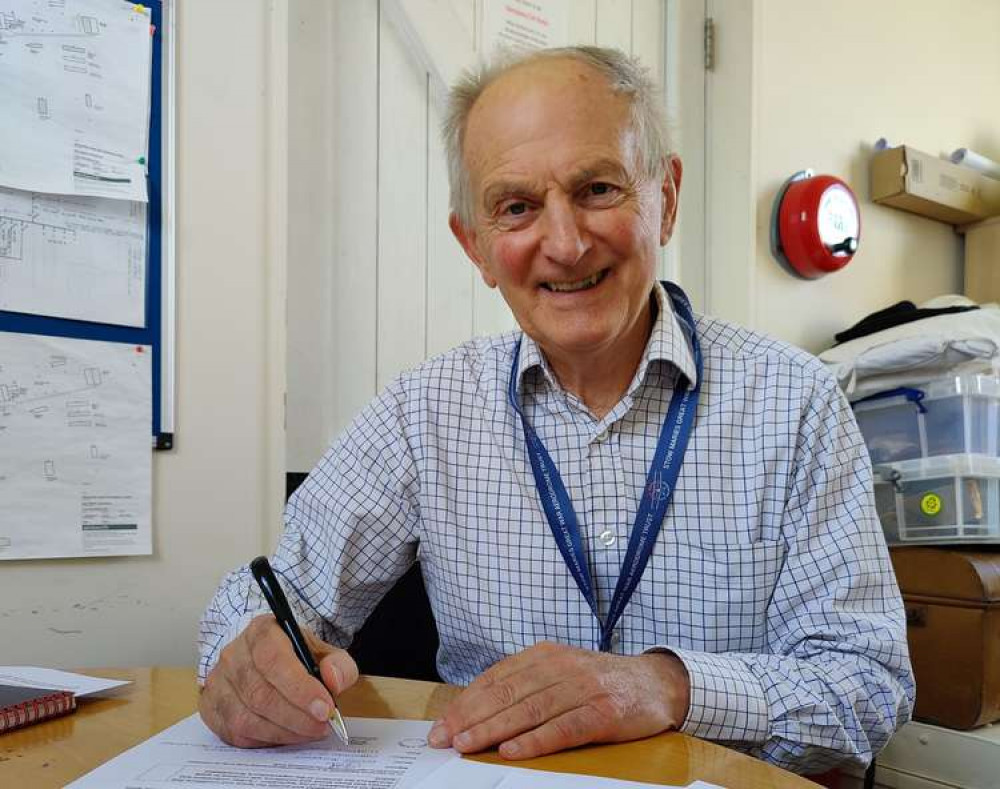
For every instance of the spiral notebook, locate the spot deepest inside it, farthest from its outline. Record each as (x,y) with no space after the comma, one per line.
(20,706)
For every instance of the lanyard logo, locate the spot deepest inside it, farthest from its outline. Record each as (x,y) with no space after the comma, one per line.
(658,489)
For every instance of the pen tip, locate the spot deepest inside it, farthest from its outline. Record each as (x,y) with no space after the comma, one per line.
(337,724)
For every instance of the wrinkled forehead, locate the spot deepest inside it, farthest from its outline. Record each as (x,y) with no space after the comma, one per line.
(558,102)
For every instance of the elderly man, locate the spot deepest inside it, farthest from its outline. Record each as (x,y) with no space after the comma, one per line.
(629,519)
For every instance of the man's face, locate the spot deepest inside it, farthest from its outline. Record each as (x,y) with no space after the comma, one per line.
(564,223)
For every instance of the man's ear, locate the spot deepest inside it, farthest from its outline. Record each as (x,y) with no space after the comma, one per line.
(671,188)
(468,239)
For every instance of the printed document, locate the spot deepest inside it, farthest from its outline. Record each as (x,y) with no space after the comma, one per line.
(75,447)
(522,25)
(382,754)
(82,258)
(75,91)
(465,774)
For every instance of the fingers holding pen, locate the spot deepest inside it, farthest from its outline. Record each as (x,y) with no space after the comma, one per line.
(224,712)
(275,684)
(336,666)
(272,683)
(259,693)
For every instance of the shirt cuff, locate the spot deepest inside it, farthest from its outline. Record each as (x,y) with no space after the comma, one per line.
(727,702)
(231,635)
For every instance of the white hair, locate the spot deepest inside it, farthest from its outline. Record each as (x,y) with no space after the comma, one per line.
(625,76)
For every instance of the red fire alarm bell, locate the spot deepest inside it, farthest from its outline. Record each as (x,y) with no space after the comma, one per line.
(815,224)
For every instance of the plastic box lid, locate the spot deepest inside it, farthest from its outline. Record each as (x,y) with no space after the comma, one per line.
(952,386)
(938,466)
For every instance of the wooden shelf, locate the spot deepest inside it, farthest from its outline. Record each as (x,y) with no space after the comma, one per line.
(982,260)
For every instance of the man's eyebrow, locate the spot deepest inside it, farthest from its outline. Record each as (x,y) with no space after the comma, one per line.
(601,168)
(500,190)
(598,168)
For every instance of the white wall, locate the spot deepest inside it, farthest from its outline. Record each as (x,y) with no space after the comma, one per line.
(218,494)
(819,83)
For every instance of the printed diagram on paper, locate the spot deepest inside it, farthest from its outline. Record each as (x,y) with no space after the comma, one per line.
(383,754)
(75,92)
(72,257)
(75,447)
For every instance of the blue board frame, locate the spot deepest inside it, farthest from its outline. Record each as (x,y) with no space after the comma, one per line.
(151,334)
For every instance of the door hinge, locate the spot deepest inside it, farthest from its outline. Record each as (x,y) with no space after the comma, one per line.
(709,44)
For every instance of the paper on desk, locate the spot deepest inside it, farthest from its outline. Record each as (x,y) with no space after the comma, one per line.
(465,774)
(383,754)
(75,92)
(34,677)
(82,258)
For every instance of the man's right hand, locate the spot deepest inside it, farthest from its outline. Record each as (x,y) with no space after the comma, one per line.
(260,694)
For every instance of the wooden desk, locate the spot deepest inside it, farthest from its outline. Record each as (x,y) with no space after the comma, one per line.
(55,752)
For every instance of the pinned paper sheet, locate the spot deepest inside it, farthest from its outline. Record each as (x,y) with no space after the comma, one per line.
(524,24)
(75,90)
(76,459)
(82,258)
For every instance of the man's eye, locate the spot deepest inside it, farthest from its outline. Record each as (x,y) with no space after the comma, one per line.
(516,209)
(600,188)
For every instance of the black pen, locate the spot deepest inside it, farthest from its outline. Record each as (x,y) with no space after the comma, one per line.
(268,583)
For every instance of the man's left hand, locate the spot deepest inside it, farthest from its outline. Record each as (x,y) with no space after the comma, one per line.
(551,697)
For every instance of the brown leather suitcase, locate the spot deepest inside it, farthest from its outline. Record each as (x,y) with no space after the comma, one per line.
(952,599)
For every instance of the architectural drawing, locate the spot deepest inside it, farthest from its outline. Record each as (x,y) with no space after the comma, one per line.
(75,447)
(75,80)
(10,23)
(72,257)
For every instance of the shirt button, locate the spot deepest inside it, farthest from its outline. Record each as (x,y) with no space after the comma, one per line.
(607,537)
(602,436)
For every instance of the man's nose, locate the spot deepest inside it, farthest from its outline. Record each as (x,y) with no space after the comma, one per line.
(565,239)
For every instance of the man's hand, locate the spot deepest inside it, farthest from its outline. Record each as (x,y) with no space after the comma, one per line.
(552,697)
(259,693)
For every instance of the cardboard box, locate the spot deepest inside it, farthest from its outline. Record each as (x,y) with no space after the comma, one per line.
(927,185)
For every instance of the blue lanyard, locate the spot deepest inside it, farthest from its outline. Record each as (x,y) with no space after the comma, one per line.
(660,483)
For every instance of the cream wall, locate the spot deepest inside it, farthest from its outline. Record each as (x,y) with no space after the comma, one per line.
(212,504)
(829,79)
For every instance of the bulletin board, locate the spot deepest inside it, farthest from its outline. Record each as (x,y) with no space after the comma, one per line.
(158,329)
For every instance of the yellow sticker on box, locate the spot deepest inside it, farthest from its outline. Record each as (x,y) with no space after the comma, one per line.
(930,504)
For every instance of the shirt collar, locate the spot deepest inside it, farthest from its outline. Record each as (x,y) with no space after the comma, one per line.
(667,342)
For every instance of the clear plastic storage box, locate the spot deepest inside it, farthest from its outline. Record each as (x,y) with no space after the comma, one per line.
(959,414)
(948,499)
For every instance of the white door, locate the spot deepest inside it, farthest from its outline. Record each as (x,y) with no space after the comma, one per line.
(376,283)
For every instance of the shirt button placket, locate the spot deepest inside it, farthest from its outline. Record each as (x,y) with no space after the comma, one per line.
(608,536)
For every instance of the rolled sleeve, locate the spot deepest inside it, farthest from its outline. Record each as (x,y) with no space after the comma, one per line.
(833,681)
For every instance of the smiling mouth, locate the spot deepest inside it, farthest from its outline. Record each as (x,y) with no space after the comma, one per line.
(581,284)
